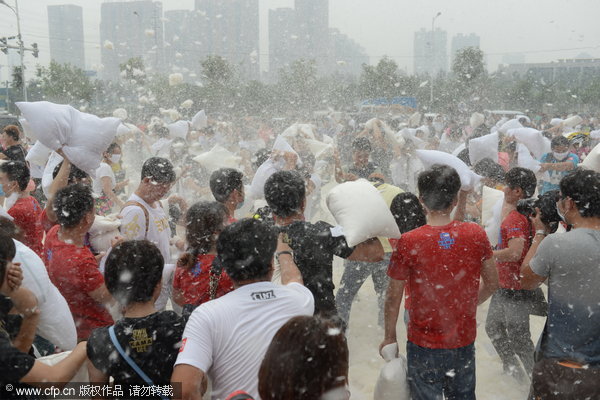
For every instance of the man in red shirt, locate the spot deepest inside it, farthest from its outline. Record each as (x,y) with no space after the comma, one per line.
(441,263)
(25,210)
(72,266)
(507,323)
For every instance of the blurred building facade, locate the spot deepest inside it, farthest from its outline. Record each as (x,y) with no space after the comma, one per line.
(460,41)
(430,52)
(65,33)
(573,72)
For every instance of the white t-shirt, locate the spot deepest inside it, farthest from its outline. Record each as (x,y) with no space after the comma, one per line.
(227,338)
(103,170)
(56,322)
(133,225)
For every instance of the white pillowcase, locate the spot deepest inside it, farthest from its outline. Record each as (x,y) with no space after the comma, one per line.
(103,231)
(592,160)
(178,129)
(361,212)
(83,137)
(533,139)
(218,157)
(200,121)
(38,154)
(484,147)
(510,124)
(468,178)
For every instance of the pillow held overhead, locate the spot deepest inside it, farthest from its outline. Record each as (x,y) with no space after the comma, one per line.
(361,212)
(468,178)
(482,147)
(533,139)
(82,137)
(200,121)
(218,157)
(592,160)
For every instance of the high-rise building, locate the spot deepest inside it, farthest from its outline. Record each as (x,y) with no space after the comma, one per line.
(183,42)
(348,56)
(65,31)
(461,41)
(312,24)
(430,52)
(230,29)
(129,30)
(282,39)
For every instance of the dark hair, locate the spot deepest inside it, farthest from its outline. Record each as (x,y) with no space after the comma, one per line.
(486,167)
(559,141)
(260,157)
(133,269)
(438,186)
(16,171)
(583,186)
(224,181)
(245,249)
(285,191)
(12,131)
(518,177)
(408,212)
(307,357)
(159,169)
(202,220)
(112,147)
(7,253)
(72,203)
(11,229)
(75,174)
(361,144)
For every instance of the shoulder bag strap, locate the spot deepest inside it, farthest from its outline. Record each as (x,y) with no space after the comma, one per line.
(129,360)
(146,214)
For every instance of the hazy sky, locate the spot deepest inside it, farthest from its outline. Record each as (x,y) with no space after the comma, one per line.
(543,30)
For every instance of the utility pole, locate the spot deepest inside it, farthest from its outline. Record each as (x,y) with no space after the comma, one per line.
(432,59)
(20,43)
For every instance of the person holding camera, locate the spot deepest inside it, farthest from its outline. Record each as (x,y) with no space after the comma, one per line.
(507,323)
(568,357)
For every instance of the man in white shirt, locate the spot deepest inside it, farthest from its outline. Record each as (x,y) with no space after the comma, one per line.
(226,339)
(143,217)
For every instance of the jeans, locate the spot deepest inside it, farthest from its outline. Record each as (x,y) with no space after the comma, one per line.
(507,326)
(434,374)
(355,274)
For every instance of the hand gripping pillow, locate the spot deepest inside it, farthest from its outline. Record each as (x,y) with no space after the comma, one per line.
(361,211)
(103,231)
(218,157)
(47,179)
(392,383)
(483,147)
(533,139)
(468,178)
(83,137)
(200,121)
(592,160)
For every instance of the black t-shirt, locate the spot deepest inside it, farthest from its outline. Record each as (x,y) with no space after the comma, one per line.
(14,364)
(15,153)
(314,248)
(152,342)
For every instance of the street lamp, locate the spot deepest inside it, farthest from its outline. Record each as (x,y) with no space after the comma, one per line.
(21,46)
(432,58)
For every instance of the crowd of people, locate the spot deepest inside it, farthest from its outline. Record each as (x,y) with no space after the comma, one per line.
(220,280)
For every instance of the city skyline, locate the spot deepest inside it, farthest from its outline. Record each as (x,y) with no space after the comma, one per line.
(538,35)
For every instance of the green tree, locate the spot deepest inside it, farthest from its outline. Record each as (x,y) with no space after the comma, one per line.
(381,80)
(297,85)
(134,70)
(468,65)
(217,71)
(65,83)
(17,78)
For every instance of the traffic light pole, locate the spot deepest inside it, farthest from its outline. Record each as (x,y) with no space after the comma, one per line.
(21,45)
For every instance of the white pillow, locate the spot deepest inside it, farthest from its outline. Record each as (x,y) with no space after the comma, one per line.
(56,322)
(361,212)
(27,129)
(556,121)
(319,149)
(476,120)
(103,231)
(525,160)
(38,154)
(510,124)
(592,160)
(572,121)
(178,129)
(468,178)
(533,139)
(120,113)
(80,376)
(218,157)
(392,383)
(47,179)
(257,187)
(483,147)
(491,212)
(83,137)
(200,121)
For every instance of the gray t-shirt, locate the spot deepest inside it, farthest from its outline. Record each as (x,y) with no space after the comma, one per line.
(571,261)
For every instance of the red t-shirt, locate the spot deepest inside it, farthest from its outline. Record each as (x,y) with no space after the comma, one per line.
(195,282)
(441,266)
(26,213)
(74,271)
(515,225)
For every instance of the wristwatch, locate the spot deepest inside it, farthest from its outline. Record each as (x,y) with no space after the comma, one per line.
(283,252)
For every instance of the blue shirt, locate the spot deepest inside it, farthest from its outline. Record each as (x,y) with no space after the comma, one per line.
(551,179)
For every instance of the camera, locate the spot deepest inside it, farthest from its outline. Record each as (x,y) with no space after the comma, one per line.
(547,205)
